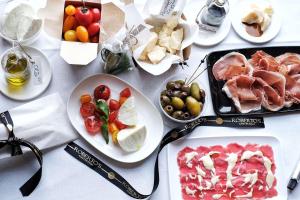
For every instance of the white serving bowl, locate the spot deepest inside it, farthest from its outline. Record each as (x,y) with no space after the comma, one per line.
(163,87)
(27,41)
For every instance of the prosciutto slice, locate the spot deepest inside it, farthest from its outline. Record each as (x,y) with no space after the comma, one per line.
(272,84)
(230,65)
(263,61)
(245,96)
(290,65)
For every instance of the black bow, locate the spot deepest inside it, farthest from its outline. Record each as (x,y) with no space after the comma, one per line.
(32,183)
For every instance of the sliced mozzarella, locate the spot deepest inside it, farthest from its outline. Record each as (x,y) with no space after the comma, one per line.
(132,139)
(127,113)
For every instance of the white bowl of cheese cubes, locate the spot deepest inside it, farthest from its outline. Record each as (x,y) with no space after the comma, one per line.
(166,45)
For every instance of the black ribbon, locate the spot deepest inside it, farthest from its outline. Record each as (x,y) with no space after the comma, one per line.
(16,143)
(115,178)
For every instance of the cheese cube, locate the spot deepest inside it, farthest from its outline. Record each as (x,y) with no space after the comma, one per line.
(149,46)
(176,39)
(157,54)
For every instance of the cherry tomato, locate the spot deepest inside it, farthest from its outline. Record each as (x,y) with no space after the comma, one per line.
(87,110)
(95,39)
(82,34)
(113,129)
(114,104)
(125,93)
(70,10)
(112,116)
(122,100)
(85,98)
(69,23)
(84,16)
(93,28)
(96,14)
(120,125)
(102,92)
(70,35)
(92,125)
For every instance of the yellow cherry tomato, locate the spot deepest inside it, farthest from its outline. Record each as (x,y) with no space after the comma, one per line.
(85,98)
(70,10)
(69,23)
(70,35)
(113,129)
(82,34)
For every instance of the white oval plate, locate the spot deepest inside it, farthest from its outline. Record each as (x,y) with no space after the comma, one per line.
(239,11)
(30,90)
(147,114)
(206,38)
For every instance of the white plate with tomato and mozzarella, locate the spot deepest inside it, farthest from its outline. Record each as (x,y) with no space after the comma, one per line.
(115,118)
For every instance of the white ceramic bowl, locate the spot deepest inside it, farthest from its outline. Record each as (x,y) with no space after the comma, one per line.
(163,87)
(27,41)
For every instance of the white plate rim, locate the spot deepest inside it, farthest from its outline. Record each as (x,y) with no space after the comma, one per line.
(278,159)
(92,143)
(45,85)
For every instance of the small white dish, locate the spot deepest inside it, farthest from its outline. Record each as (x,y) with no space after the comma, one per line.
(163,87)
(7,9)
(31,89)
(207,38)
(176,146)
(147,114)
(239,10)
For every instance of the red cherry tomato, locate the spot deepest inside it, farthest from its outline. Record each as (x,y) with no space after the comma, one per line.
(87,109)
(114,104)
(125,93)
(102,92)
(94,28)
(112,116)
(96,14)
(92,125)
(84,16)
(120,125)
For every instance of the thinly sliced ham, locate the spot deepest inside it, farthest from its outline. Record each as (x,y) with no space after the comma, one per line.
(290,63)
(240,89)
(263,61)
(273,86)
(230,65)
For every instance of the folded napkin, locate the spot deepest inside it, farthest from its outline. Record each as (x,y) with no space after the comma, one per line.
(43,122)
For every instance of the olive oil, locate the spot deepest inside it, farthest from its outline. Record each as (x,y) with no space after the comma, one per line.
(16,69)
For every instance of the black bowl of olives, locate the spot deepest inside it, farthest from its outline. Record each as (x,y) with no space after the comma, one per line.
(182,102)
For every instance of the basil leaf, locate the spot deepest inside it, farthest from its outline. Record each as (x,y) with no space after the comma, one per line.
(104,131)
(102,105)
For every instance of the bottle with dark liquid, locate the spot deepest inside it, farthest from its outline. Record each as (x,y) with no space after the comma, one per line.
(215,12)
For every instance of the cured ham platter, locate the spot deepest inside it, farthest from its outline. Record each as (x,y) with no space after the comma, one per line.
(255,81)
(247,167)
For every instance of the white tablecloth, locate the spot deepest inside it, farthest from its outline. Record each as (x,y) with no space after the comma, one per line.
(66,178)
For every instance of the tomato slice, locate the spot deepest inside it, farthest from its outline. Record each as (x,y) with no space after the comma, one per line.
(114,104)
(92,125)
(125,93)
(112,116)
(87,109)
(122,100)
(120,125)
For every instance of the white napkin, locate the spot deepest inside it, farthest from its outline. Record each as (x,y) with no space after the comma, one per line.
(43,122)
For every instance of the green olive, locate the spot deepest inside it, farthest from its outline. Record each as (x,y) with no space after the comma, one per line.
(165,100)
(12,56)
(193,106)
(169,109)
(186,116)
(177,114)
(195,91)
(186,88)
(181,82)
(177,103)
(170,85)
(163,93)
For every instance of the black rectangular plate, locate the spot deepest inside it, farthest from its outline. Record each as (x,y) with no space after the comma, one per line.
(223,105)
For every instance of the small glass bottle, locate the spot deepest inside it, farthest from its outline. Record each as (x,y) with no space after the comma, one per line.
(214,12)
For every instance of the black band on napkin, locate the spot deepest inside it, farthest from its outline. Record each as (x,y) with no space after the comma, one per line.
(16,143)
(7,121)
(115,178)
